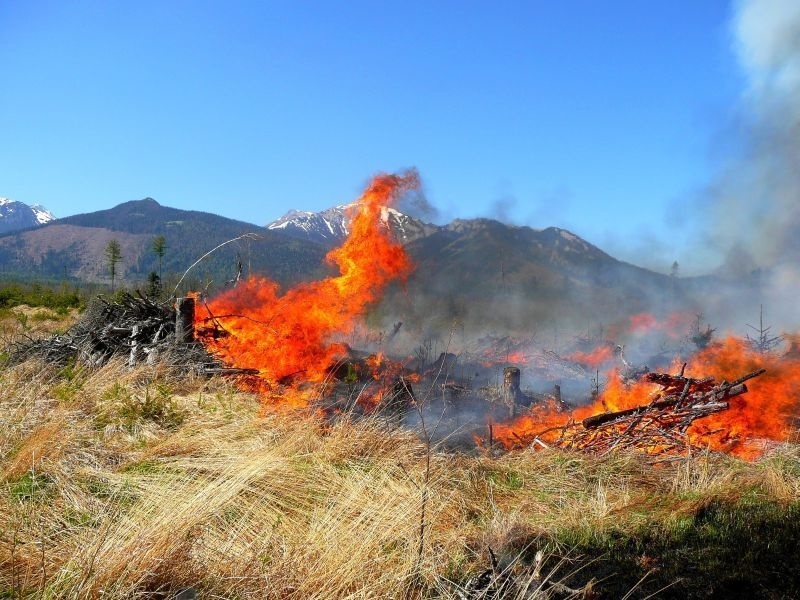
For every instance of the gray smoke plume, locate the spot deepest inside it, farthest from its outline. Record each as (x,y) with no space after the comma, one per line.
(756,201)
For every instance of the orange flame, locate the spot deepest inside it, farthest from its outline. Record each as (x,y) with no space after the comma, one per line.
(767,413)
(672,325)
(593,358)
(291,334)
(493,357)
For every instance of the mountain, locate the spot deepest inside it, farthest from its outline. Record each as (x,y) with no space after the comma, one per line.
(327,227)
(489,274)
(478,273)
(74,247)
(330,226)
(16,215)
(484,272)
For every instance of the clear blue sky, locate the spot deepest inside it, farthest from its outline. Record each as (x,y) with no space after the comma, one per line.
(595,116)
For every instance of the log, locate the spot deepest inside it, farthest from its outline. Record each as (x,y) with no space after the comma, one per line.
(229,371)
(708,399)
(602,418)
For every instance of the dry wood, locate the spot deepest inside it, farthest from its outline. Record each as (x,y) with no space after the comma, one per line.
(131,326)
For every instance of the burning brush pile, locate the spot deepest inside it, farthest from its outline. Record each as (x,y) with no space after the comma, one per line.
(285,346)
(657,428)
(704,405)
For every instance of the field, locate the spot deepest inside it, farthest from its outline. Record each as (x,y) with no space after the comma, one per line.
(123,483)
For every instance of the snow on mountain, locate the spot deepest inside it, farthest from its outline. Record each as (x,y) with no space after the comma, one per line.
(330,226)
(326,227)
(16,215)
(42,214)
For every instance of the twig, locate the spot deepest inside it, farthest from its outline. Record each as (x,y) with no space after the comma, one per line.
(246,236)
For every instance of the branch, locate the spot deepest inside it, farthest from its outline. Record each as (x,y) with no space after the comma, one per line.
(246,236)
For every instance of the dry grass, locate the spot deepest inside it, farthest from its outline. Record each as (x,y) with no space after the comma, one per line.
(128,483)
(26,321)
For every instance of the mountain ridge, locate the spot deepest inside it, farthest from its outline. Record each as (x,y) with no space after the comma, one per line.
(73,247)
(470,270)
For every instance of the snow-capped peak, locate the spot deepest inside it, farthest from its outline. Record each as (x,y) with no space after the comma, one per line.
(326,227)
(16,215)
(42,214)
(330,226)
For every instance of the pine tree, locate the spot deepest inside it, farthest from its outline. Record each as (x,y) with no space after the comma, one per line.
(113,256)
(700,338)
(159,246)
(765,342)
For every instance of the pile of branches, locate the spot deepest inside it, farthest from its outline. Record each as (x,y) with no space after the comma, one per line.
(133,327)
(657,428)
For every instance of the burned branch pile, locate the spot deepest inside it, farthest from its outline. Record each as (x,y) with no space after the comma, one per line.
(132,326)
(657,428)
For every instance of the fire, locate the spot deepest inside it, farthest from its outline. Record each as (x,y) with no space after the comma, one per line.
(518,358)
(504,351)
(291,335)
(767,413)
(593,358)
(672,325)
(617,396)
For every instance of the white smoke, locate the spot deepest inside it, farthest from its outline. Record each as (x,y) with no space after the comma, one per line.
(756,201)
(768,46)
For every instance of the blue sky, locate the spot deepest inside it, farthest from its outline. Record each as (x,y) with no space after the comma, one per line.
(601,117)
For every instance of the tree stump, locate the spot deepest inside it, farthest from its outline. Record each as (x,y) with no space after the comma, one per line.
(184,320)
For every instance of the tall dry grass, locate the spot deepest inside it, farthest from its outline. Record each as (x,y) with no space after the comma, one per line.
(128,483)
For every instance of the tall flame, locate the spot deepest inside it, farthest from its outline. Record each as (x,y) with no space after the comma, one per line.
(291,334)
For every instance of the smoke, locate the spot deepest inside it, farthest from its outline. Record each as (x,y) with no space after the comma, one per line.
(745,222)
(415,203)
(547,207)
(504,209)
(755,202)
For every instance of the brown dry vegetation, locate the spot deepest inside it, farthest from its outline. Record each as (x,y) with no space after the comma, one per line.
(22,321)
(134,483)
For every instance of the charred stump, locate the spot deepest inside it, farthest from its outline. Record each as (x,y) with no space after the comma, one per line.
(512,393)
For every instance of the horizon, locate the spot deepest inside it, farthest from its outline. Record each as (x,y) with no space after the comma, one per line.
(613,125)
